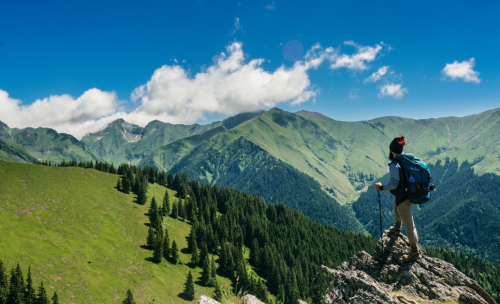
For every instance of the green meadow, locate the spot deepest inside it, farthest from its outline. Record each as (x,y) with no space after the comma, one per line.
(85,239)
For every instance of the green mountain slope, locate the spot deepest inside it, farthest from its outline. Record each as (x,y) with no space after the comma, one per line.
(122,142)
(83,238)
(240,164)
(42,144)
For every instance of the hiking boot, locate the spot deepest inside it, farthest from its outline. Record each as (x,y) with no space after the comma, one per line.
(394,230)
(412,257)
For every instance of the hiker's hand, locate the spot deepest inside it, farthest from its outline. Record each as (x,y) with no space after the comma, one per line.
(378,185)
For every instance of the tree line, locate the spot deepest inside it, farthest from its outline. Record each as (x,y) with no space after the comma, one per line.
(15,290)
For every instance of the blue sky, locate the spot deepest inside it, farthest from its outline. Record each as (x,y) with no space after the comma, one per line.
(91,56)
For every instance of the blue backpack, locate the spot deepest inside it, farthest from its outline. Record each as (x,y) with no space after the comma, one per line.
(417,178)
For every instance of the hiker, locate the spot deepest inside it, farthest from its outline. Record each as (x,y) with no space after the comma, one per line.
(401,204)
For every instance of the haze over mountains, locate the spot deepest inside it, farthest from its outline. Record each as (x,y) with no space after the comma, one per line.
(305,159)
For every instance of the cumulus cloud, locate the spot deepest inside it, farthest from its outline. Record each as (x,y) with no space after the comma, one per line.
(229,85)
(393,90)
(378,74)
(358,60)
(462,70)
(87,113)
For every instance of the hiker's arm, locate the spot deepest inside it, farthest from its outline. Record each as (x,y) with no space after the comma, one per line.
(393,178)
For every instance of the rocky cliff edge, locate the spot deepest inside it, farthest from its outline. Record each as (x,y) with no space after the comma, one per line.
(384,279)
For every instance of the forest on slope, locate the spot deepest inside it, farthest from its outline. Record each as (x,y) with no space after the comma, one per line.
(86,240)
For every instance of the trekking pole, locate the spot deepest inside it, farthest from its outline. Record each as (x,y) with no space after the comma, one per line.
(380,213)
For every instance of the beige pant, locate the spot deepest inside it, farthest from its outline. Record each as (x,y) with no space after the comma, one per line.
(403,213)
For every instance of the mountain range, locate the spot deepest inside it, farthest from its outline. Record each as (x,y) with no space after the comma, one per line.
(316,164)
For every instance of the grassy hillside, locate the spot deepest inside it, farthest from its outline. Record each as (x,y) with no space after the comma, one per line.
(83,238)
(14,153)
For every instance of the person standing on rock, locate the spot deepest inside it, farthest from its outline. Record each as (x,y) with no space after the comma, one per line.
(401,204)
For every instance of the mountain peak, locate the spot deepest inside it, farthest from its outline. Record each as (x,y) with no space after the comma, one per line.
(384,278)
(3,125)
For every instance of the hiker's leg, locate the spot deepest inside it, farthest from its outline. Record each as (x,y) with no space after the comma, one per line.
(404,211)
(397,219)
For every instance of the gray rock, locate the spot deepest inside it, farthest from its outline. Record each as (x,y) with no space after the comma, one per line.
(207,300)
(384,277)
(250,299)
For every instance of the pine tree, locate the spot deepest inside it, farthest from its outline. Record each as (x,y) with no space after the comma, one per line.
(175,210)
(184,211)
(129,299)
(213,272)
(151,236)
(166,204)
(158,249)
(203,251)
(180,209)
(119,185)
(41,297)
(174,252)
(166,245)
(154,215)
(55,298)
(281,295)
(195,258)
(206,275)
(142,193)
(16,286)
(3,284)
(217,291)
(30,295)
(189,287)
(192,239)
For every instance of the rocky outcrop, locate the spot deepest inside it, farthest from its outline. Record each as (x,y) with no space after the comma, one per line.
(384,279)
(250,299)
(207,300)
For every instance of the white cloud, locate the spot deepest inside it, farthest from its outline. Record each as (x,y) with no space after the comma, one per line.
(271,6)
(228,86)
(358,60)
(377,75)
(394,90)
(89,112)
(463,70)
(237,25)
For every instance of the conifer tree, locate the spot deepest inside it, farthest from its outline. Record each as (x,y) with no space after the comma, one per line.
(195,258)
(206,275)
(154,214)
(184,211)
(129,299)
(142,193)
(41,297)
(175,210)
(174,252)
(189,287)
(30,295)
(3,284)
(16,286)
(158,249)
(55,298)
(192,239)
(180,208)
(166,245)
(151,236)
(170,181)
(166,204)
(119,185)
(281,295)
(217,291)
(213,272)
(203,251)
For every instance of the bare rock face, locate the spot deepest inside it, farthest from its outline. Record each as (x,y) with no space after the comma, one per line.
(383,278)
